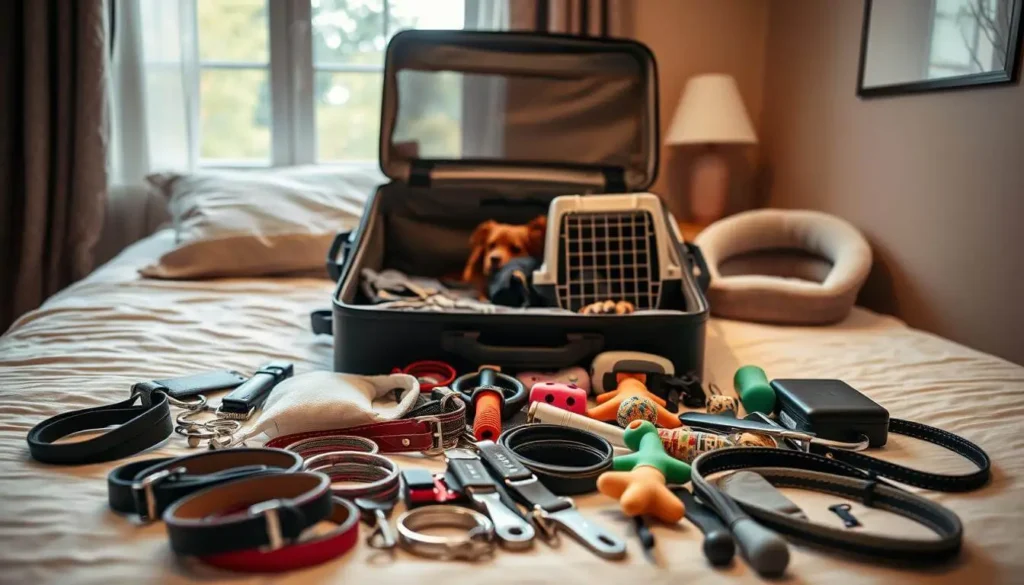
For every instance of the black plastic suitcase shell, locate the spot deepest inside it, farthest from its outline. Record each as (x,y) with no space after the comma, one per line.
(370,340)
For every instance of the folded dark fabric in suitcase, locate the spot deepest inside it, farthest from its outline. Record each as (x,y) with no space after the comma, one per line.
(483,126)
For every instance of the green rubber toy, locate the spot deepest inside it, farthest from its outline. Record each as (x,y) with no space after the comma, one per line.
(642,437)
(756,394)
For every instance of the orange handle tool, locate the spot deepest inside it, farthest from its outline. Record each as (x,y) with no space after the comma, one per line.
(487,420)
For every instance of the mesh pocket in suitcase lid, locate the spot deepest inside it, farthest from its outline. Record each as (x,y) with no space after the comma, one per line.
(608,256)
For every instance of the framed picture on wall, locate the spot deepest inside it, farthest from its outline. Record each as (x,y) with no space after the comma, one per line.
(910,46)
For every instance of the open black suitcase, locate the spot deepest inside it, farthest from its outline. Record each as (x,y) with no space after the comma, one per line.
(484,125)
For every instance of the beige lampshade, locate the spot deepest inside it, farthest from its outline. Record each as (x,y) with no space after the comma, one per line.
(711,111)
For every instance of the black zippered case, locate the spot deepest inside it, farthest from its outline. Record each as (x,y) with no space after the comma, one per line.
(487,125)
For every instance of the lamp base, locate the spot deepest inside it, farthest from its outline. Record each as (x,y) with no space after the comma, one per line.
(709,187)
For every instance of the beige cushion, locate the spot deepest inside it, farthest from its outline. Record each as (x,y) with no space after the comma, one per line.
(258,223)
(784,266)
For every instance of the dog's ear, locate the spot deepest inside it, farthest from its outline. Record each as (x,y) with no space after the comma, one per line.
(480,234)
(537,231)
(477,241)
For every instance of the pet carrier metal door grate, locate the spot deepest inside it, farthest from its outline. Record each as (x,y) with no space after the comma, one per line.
(608,256)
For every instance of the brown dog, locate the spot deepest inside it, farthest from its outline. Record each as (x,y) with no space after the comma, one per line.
(494,244)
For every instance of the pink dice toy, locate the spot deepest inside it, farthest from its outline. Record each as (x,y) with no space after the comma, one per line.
(574,376)
(560,395)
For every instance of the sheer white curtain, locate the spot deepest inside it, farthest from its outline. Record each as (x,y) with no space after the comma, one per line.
(483,99)
(154,78)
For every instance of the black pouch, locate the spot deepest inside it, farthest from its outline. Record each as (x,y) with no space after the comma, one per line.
(831,409)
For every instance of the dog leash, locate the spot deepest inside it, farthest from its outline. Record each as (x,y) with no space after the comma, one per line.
(759,540)
(137,427)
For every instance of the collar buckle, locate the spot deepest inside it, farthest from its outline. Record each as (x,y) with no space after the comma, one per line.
(147,484)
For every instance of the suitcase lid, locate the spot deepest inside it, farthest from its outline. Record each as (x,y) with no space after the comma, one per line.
(512,106)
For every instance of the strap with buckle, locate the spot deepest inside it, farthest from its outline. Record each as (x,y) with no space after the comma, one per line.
(137,427)
(430,428)
(307,552)
(149,486)
(549,511)
(263,511)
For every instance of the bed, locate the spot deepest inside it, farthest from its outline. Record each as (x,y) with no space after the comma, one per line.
(89,343)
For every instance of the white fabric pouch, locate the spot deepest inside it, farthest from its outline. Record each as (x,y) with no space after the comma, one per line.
(320,401)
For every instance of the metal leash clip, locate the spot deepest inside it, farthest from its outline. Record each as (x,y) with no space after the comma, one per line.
(549,512)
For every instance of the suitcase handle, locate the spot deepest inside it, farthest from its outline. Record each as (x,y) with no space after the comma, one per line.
(467,345)
(322,322)
(704,279)
(334,267)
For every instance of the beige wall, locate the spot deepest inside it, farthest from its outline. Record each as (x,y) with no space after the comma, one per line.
(935,181)
(689,37)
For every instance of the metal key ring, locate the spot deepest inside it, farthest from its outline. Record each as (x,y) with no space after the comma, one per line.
(223,425)
(477,543)
(196,405)
(185,418)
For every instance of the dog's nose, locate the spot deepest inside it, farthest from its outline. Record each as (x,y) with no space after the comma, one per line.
(494,262)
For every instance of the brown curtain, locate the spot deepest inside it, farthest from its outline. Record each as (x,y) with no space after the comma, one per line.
(595,18)
(53,137)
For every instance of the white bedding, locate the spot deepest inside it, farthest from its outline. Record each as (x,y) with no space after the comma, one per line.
(87,345)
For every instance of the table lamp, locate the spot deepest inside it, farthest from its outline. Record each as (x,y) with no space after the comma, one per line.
(710,113)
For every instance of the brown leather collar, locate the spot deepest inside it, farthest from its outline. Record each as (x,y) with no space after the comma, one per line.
(431,429)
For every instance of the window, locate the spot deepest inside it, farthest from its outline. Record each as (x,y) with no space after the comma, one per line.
(299,81)
(965,36)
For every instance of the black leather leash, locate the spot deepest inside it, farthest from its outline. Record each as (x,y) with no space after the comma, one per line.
(566,460)
(767,553)
(930,481)
(149,486)
(906,475)
(137,428)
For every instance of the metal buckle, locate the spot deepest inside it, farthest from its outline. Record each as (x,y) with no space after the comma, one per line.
(146,485)
(547,529)
(234,415)
(521,482)
(269,511)
(436,435)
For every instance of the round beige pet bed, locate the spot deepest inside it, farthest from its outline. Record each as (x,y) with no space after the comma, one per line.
(784,266)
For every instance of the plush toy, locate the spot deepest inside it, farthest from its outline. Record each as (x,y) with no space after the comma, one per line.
(631,385)
(639,480)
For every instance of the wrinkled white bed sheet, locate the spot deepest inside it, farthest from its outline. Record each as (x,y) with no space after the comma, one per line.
(87,345)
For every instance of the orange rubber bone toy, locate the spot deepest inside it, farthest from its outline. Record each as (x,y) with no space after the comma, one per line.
(639,482)
(607,408)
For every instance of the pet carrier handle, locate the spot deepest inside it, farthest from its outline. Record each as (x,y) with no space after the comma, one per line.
(467,345)
(335,266)
(704,280)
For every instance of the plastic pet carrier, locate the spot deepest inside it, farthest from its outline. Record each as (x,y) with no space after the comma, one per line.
(479,126)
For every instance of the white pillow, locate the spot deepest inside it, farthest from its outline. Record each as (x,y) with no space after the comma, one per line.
(258,223)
